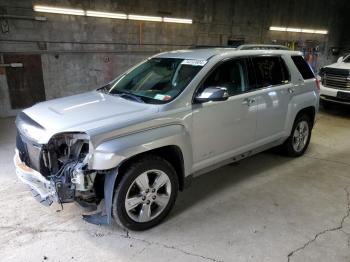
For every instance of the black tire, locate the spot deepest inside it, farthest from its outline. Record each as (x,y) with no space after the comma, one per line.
(141,165)
(288,147)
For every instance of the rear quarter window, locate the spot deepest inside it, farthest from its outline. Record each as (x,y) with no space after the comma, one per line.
(303,67)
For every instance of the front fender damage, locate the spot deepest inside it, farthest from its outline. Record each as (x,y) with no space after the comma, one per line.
(104,216)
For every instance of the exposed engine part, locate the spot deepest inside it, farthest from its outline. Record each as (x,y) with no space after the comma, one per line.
(83,180)
(64,157)
(71,179)
(63,148)
(65,189)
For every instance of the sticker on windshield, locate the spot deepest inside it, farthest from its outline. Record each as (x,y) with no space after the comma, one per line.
(194,62)
(162,97)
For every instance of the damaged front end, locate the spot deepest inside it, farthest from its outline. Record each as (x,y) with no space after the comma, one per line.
(64,164)
(57,171)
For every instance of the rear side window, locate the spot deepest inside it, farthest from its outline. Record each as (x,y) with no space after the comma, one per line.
(303,67)
(270,71)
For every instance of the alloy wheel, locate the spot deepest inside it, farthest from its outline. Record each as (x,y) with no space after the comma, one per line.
(300,136)
(148,195)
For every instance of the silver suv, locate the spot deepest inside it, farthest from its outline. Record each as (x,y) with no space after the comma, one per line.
(124,150)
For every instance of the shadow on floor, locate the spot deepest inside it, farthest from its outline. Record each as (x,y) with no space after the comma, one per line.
(204,186)
(336,110)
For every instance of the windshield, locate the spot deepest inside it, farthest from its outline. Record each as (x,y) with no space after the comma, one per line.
(347,59)
(157,81)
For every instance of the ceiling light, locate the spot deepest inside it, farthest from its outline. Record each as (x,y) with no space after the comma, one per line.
(177,20)
(56,10)
(309,31)
(145,18)
(106,14)
(70,11)
(276,28)
(323,32)
(298,30)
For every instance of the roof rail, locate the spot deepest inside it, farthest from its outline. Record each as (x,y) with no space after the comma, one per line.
(262,47)
(210,46)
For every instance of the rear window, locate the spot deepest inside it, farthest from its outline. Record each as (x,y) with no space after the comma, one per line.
(270,71)
(303,67)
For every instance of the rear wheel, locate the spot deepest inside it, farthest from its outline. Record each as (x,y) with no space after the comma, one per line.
(299,139)
(145,194)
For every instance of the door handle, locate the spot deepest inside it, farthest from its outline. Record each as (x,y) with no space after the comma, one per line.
(248,101)
(291,90)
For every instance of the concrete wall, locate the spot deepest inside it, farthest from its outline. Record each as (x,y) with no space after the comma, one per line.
(81,53)
(344,36)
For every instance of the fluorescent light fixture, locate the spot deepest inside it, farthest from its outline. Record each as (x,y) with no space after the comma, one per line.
(106,14)
(308,31)
(70,11)
(57,10)
(298,30)
(276,28)
(177,20)
(145,18)
(322,32)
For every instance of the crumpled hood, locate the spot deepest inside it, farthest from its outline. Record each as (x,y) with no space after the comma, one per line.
(340,65)
(86,112)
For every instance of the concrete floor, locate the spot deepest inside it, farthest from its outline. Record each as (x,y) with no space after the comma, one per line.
(267,208)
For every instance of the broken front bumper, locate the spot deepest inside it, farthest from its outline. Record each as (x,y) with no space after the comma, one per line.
(45,192)
(42,189)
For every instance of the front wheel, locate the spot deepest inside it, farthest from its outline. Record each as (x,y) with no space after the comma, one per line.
(145,194)
(299,139)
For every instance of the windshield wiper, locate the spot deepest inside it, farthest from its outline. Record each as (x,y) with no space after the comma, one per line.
(122,94)
(103,89)
(131,96)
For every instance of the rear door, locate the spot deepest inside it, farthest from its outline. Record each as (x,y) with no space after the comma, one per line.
(276,90)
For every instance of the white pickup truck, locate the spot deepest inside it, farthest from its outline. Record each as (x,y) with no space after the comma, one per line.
(335,82)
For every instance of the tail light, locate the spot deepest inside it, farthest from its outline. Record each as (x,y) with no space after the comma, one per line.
(318,84)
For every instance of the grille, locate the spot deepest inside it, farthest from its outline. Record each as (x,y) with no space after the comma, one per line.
(22,149)
(29,152)
(336,78)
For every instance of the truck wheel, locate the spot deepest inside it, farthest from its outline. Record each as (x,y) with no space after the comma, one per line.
(145,194)
(299,139)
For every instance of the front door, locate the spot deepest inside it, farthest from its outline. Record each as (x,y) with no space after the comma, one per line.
(220,129)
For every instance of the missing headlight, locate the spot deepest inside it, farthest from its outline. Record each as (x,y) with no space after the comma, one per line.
(63,148)
(64,158)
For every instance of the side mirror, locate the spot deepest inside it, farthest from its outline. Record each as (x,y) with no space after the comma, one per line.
(340,59)
(212,94)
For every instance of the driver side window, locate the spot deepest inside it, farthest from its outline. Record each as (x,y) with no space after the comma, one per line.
(231,75)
